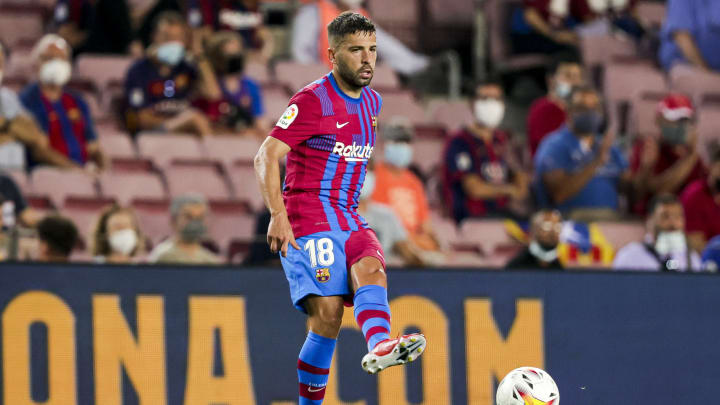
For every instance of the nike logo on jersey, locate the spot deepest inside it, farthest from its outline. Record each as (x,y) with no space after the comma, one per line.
(354,152)
(339,125)
(313,389)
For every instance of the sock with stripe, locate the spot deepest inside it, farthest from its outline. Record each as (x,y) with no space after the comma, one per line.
(372,313)
(314,367)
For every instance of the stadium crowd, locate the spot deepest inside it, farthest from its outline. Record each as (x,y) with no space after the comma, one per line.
(586,137)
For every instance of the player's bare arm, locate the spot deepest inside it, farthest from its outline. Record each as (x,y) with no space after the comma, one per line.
(267,171)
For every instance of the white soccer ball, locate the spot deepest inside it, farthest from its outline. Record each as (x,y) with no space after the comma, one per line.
(527,386)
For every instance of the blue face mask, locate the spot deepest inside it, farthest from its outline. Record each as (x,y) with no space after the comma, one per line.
(398,154)
(171,53)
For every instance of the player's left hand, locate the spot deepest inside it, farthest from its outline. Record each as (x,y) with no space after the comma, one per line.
(280,234)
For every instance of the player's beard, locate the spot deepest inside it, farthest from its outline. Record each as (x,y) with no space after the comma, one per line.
(352,78)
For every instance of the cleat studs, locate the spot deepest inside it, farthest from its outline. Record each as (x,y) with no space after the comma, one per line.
(413,340)
(373,361)
(403,344)
(419,350)
(410,359)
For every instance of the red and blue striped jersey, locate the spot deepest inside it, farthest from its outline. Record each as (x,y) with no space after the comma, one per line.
(331,136)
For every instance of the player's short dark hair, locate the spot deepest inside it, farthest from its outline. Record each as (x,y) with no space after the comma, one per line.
(662,199)
(562,58)
(59,233)
(348,23)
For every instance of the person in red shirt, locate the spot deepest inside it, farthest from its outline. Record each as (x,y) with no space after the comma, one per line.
(547,114)
(701,200)
(669,162)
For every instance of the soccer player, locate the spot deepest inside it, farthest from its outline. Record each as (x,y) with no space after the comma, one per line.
(329,254)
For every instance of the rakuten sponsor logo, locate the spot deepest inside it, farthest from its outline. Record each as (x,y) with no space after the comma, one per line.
(354,152)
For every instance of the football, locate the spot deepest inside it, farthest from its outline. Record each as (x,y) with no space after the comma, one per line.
(527,386)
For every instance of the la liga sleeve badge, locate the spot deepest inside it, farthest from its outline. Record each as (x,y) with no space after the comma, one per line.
(288,116)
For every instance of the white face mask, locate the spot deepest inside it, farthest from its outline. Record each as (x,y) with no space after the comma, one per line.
(368,186)
(171,53)
(489,112)
(55,71)
(546,256)
(563,89)
(123,241)
(668,243)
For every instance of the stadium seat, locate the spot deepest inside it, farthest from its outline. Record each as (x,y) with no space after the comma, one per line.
(58,184)
(20,179)
(620,234)
(231,148)
(445,229)
(489,234)
(623,79)
(708,130)
(276,101)
(258,72)
(402,104)
(693,81)
(428,154)
(244,183)
(230,220)
(126,186)
(643,113)
(116,145)
(597,50)
(453,115)
(20,26)
(196,177)
(297,75)
(163,148)
(652,12)
(84,213)
(154,218)
(400,18)
(426,131)
(384,79)
(19,66)
(102,69)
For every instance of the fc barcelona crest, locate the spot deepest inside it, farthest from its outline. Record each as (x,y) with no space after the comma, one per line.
(322,275)
(374,121)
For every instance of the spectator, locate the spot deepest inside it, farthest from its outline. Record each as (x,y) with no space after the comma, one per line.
(117,237)
(482,177)
(19,132)
(241,16)
(668,163)
(57,237)
(144,15)
(701,200)
(548,114)
(690,35)
(14,208)
(72,20)
(310,39)
(159,86)
(240,106)
(711,255)
(387,226)
(188,215)
(542,252)
(62,114)
(577,168)
(665,247)
(400,189)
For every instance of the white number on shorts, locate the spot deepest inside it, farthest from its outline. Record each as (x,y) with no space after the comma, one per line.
(323,254)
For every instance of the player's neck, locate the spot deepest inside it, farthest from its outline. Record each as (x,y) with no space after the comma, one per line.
(346,88)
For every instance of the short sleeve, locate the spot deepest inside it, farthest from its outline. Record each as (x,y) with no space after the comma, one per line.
(552,157)
(458,160)
(620,160)
(300,120)
(256,95)
(679,16)
(10,105)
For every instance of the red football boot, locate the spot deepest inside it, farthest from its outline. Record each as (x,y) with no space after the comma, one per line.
(391,352)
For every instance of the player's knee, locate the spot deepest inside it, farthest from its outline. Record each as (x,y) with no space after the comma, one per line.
(329,317)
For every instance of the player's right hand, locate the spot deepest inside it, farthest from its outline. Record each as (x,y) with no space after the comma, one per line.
(280,234)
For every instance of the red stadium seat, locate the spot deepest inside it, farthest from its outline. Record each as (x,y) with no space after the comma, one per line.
(276,101)
(242,178)
(20,179)
(20,65)
(708,130)
(197,177)
(258,71)
(600,49)
(154,218)
(230,220)
(428,154)
(490,235)
(384,79)
(163,148)
(644,113)
(694,82)
(624,79)
(102,69)
(399,17)
(59,184)
(402,104)
(84,212)
(20,26)
(117,145)
(126,186)
(451,114)
(297,75)
(231,148)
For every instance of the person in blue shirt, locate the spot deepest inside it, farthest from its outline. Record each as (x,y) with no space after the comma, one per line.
(711,255)
(691,34)
(578,170)
(158,87)
(240,106)
(62,114)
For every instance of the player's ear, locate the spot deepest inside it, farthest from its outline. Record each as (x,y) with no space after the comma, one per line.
(331,55)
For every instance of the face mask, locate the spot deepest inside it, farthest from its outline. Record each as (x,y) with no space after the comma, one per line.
(398,154)
(368,186)
(587,122)
(563,89)
(674,135)
(543,254)
(489,113)
(193,231)
(56,72)
(670,242)
(171,53)
(124,241)
(234,64)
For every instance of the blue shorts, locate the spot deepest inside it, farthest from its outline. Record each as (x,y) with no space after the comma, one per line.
(321,265)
